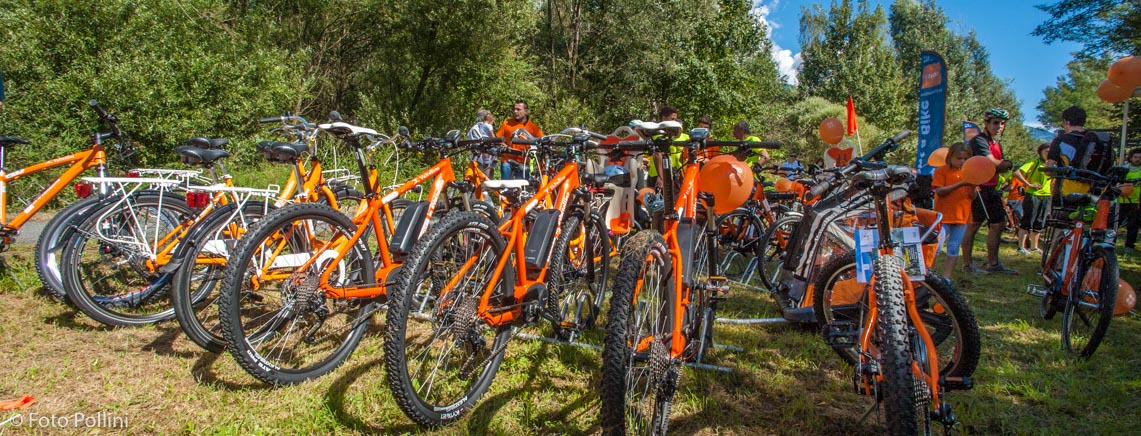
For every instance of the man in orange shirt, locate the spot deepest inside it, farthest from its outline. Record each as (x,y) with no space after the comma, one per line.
(512,167)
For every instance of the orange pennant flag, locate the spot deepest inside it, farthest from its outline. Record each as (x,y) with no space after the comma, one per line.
(851,116)
(22,403)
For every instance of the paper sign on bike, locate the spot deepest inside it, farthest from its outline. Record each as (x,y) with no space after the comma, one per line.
(907,246)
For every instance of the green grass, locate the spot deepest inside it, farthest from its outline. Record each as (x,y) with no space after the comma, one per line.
(786,381)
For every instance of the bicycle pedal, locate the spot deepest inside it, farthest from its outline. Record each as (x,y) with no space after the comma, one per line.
(956,383)
(718,287)
(1036,290)
(841,334)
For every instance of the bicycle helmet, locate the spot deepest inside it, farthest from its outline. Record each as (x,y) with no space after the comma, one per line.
(997,113)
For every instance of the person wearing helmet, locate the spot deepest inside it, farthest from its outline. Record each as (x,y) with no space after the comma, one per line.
(987,206)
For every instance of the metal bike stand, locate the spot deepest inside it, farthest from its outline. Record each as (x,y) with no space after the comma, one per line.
(747,275)
(750,321)
(557,341)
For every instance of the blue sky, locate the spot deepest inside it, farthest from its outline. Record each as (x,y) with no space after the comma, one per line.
(1002,26)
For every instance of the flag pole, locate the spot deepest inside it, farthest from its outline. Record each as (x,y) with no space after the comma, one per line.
(859,144)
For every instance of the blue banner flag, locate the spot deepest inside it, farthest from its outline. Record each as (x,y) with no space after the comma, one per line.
(970,131)
(932,108)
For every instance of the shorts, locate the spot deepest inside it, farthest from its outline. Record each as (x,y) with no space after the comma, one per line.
(987,206)
(1035,207)
(954,234)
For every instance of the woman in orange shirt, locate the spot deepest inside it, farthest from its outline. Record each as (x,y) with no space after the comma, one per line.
(953,198)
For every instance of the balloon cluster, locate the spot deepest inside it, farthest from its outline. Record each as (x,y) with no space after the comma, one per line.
(1124,76)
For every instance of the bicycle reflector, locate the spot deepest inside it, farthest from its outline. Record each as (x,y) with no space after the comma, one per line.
(82,190)
(133,173)
(197,200)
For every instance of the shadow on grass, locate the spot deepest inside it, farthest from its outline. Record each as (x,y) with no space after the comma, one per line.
(72,319)
(203,372)
(163,344)
(335,400)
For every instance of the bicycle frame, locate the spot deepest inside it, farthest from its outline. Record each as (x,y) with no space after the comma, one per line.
(559,189)
(82,161)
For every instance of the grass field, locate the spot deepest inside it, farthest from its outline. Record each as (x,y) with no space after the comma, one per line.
(786,381)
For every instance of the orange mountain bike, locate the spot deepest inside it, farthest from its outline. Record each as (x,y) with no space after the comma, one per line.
(664,296)
(1079,269)
(484,281)
(298,293)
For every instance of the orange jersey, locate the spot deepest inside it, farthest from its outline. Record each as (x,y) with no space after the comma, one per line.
(508,128)
(956,205)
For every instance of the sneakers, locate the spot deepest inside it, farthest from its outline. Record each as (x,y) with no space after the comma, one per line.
(1001,269)
(1037,251)
(1024,251)
(974,269)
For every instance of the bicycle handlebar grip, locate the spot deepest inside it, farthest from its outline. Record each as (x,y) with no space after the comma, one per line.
(98,110)
(526,141)
(900,136)
(492,140)
(271,120)
(819,189)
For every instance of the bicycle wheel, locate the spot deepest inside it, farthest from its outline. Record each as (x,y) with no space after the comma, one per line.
(49,246)
(578,270)
(441,361)
(639,376)
(739,237)
(1089,308)
(900,390)
(107,267)
(349,200)
(771,249)
(276,320)
(203,260)
(840,300)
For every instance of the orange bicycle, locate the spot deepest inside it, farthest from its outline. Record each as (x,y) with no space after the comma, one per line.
(484,281)
(298,292)
(664,297)
(1079,269)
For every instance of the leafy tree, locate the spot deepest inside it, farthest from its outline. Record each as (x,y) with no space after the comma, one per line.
(1102,26)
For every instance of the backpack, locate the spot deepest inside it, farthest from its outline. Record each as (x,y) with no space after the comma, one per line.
(1094,152)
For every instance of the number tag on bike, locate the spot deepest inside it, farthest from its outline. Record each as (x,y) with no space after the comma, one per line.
(907,245)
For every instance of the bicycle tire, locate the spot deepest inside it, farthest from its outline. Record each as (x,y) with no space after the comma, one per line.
(578,299)
(50,243)
(486,209)
(447,322)
(1081,311)
(946,316)
(771,251)
(112,284)
(898,386)
(645,260)
(252,332)
(194,290)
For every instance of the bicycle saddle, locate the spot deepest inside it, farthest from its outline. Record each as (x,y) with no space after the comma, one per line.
(6,141)
(281,152)
(499,185)
(648,129)
(204,142)
(200,156)
(341,128)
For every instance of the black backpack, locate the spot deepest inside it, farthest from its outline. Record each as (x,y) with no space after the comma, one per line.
(1094,152)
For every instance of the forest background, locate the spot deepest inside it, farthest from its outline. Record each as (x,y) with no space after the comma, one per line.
(176,69)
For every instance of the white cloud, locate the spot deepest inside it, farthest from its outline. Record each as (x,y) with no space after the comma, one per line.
(788,64)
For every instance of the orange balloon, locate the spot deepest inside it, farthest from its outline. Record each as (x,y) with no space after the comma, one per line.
(938,157)
(831,130)
(729,180)
(783,184)
(978,170)
(1126,72)
(1111,93)
(1126,298)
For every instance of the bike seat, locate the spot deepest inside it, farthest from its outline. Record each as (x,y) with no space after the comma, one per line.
(499,185)
(6,141)
(281,152)
(341,128)
(648,129)
(200,156)
(204,142)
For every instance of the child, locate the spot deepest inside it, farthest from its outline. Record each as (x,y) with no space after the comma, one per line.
(1036,202)
(953,198)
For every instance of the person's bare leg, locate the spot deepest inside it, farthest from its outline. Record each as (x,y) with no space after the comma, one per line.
(992,240)
(1022,234)
(949,266)
(1034,236)
(969,244)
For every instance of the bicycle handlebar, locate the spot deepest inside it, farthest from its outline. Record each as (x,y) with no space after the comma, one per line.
(861,163)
